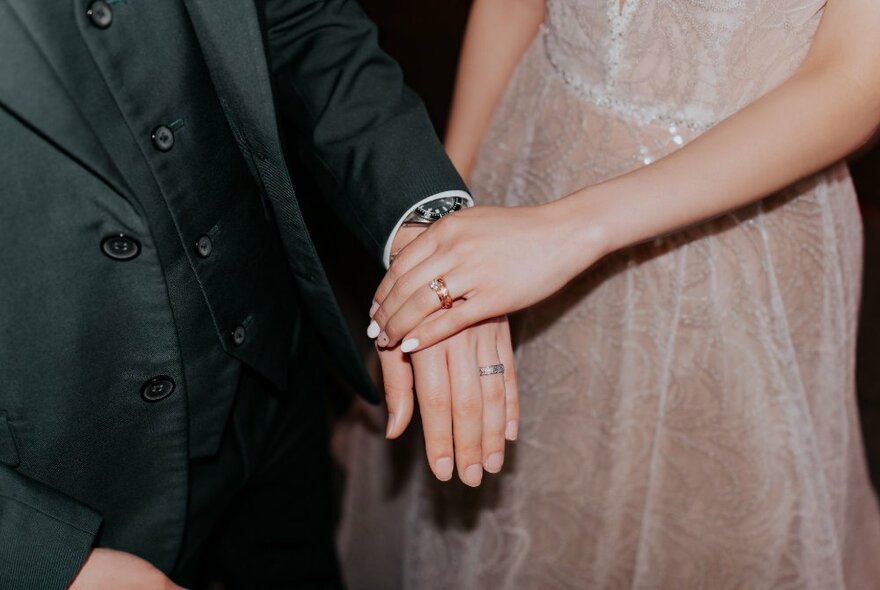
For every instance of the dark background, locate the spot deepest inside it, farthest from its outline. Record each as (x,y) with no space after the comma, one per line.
(425,36)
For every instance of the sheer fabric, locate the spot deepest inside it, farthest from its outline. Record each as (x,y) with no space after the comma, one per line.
(688,405)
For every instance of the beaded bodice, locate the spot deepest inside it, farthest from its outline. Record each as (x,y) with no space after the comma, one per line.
(683,62)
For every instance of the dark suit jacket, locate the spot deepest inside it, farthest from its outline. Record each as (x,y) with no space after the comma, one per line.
(79,449)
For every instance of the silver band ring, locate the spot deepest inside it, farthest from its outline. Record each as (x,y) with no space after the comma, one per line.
(492,370)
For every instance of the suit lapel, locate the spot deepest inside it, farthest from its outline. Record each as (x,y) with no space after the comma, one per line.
(232,44)
(231,40)
(32,91)
(229,34)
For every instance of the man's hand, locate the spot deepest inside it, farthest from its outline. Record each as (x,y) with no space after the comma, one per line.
(106,569)
(466,417)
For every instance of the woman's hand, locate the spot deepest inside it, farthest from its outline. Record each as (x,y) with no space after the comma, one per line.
(466,417)
(494,260)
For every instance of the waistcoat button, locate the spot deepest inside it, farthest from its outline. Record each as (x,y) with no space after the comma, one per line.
(120,247)
(204,247)
(100,14)
(238,335)
(157,388)
(163,138)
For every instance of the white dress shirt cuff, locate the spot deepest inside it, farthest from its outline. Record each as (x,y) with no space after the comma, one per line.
(468,202)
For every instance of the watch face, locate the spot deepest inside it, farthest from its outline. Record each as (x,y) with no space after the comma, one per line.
(434,210)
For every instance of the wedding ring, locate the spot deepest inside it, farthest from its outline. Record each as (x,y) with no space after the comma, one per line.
(492,370)
(438,285)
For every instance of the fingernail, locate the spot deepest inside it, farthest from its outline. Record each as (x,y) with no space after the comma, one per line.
(373,329)
(383,338)
(409,345)
(512,430)
(443,468)
(473,475)
(374,308)
(391,424)
(494,462)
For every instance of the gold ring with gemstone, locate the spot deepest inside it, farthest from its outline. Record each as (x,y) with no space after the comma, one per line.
(439,287)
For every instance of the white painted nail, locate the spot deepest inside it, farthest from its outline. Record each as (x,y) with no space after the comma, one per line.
(409,345)
(373,329)
(374,308)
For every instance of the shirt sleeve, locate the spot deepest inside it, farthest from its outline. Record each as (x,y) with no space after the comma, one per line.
(468,202)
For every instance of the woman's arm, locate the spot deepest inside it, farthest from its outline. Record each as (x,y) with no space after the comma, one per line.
(498,259)
(498,33)
(828,109)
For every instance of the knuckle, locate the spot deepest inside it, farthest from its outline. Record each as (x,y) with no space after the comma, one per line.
(406,285)
(493,438)
(393,328)
(469,452)
(495,445)
(395,270)
(435,402)
(401,259)
(395,394)
(383,288)
(438,445)
(511,385)
(513,412)
(468,405)
(494,394)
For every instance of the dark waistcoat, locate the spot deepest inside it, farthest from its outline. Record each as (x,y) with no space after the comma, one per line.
(231,293)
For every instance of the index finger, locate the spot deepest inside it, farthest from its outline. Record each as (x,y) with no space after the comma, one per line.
(402,262)
(435,405)
(397,378)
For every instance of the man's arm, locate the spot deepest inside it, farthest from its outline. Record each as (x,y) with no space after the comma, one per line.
(369,144)
(365,136)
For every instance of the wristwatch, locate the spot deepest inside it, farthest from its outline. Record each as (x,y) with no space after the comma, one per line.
(431,211)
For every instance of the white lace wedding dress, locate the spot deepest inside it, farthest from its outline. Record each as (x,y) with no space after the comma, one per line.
(689,418)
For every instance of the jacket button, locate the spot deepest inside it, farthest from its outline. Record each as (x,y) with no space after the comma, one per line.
(157,388)
(163,138)
(120,247)
(204,247)
(100,14)
(238,335)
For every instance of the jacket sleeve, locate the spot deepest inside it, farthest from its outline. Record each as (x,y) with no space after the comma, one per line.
(364,135)
(45,535)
